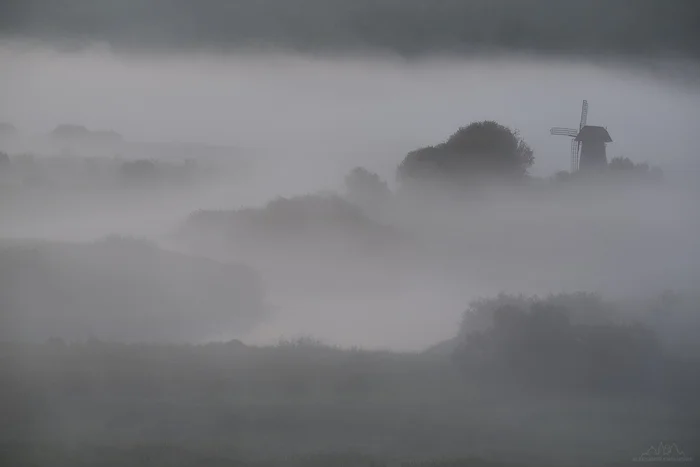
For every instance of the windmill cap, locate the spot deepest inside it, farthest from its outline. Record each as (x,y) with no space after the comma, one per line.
(594,133)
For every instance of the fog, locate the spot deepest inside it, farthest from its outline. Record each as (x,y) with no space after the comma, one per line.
(302,123)
(155,282)
(343,111)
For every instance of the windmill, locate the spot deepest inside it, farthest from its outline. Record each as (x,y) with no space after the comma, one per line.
(587,144)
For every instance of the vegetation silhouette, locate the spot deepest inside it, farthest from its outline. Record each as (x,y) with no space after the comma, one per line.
(365,188)
(320,223)
(230,401)
(549,345)
(479,152)
(72,173)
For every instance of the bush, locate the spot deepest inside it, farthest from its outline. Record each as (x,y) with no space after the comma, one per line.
(551,344)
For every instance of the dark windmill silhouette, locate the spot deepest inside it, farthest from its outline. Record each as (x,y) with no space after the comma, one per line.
(588,143)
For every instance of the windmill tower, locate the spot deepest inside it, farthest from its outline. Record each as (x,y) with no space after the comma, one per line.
(588,143)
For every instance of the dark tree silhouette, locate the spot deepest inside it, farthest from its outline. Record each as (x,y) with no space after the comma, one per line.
(480,150)
(622,163)
(625,166)
(139,169)
(551,343)
(71,132)
(363,187)
(68,130)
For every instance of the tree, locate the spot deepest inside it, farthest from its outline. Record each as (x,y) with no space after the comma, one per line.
(365,188)
(622,163)
(141,169)
(550,343)
(480,150)
(70,131)
(625,166)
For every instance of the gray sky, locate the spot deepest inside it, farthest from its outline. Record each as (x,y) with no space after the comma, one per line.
(411,28)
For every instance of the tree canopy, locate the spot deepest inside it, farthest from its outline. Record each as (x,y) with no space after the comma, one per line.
(365,188)
(480,150)
(557,342)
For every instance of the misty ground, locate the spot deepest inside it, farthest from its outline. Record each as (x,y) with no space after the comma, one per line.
(394,275)
(143,306)
(227,403)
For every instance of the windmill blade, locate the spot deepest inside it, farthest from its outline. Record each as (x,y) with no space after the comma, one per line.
(564,132)
(584,114)
(575,146)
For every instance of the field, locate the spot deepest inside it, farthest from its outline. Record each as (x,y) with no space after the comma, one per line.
(303,403)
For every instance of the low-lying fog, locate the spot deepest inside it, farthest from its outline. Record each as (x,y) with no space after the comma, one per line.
(304,122)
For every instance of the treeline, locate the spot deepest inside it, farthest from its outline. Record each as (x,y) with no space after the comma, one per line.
(517,363)
(486,153)
(484,165)
(69,173)
(312,225)
(569,344)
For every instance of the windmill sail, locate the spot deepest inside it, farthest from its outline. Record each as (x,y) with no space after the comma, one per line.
(564,132)
(575,145)
(574,133)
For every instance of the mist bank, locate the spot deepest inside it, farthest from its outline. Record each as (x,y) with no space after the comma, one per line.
(347,276)
(310,120)
(73,191)
(348,272)
(531,380)
(76,140)
(121,289)
(409,28)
